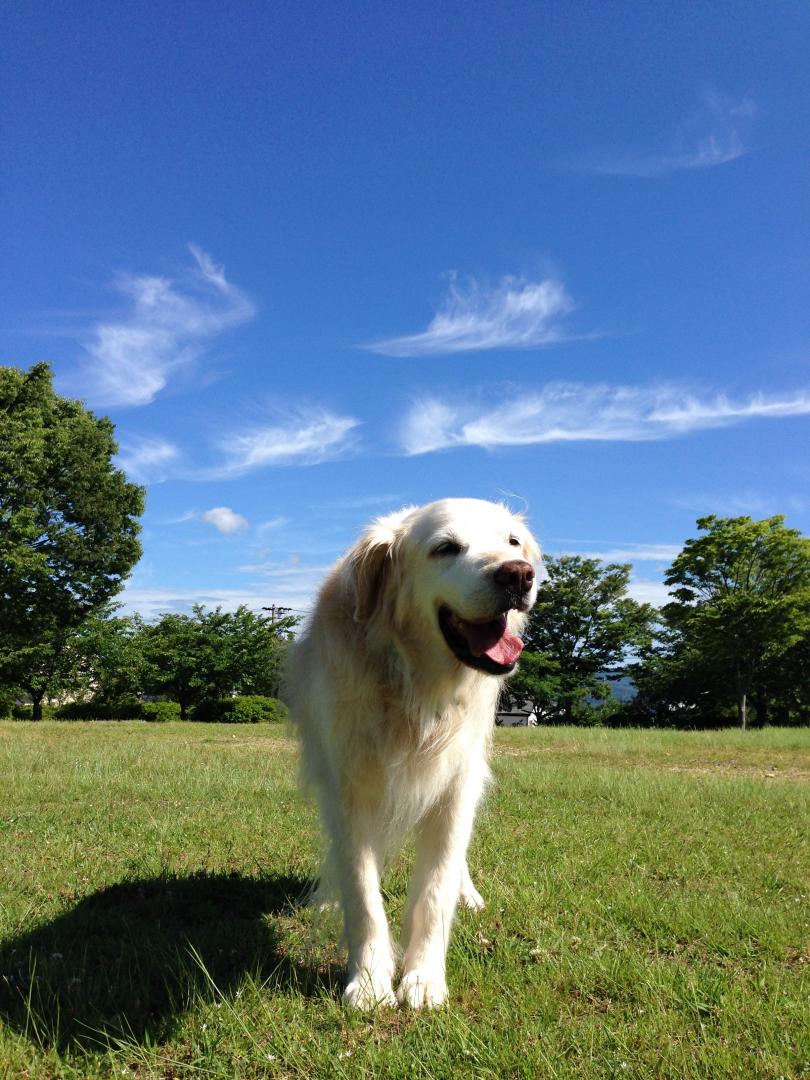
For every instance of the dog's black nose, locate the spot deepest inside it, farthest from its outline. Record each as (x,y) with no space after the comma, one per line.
(516,576)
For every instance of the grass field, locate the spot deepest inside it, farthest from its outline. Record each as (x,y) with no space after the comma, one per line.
(647,911)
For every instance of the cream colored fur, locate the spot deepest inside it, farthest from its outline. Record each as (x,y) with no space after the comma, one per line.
(396,730)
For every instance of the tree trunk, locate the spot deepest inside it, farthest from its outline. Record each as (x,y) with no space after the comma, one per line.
(762,708)
(741,700)
(36,707)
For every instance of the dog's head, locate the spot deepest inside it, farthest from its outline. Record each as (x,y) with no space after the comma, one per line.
(458,575)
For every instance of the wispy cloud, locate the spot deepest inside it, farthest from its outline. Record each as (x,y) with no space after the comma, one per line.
(742,504)
(148,459)
(309,438)
(225,520)
(181,519)
(716,134)
(129,360)
(153,602)
(632,553)
(272,523)
(575,412)
(515,314)
(292,584)
(646,591)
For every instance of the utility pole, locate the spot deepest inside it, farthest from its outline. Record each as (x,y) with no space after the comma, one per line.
(276,610)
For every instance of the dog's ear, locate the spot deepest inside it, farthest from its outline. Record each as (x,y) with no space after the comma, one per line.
(370,563)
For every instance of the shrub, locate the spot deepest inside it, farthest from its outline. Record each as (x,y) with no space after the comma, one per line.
(248,709)
(128,709)
(25,712)
(158,712)
(125,709)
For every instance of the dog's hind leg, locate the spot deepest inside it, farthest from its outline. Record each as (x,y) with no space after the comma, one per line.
(324,894)
(468,895)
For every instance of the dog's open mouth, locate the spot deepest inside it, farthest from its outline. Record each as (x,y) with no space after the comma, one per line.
(487,646)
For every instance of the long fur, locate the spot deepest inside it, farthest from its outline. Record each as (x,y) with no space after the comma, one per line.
(395,730)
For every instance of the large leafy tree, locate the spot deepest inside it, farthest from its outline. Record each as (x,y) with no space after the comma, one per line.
(583,625)
(68,526)
(740,615)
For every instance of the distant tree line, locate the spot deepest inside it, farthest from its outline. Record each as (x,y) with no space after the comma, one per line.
(209,665)
(731,647)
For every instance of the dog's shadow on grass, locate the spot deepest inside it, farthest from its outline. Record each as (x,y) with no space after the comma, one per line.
(128,960)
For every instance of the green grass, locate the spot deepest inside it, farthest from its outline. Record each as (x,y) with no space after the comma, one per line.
(647,911)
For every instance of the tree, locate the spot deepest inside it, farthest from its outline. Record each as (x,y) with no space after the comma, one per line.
(212,654)
(583,624)
(68,525)
(741,610)
(109,656)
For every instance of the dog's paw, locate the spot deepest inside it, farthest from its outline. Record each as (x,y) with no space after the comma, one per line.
(422,989)
(368,990)
(471,898)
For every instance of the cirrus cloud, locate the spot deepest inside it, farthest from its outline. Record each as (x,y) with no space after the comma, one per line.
(148,458)
(515,314)
(577,412)
(128,361)
(309,437)
(715,134)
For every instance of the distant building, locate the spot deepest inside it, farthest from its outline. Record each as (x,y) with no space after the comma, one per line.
(519,716)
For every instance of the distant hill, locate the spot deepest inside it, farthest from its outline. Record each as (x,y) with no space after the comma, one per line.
(621,686)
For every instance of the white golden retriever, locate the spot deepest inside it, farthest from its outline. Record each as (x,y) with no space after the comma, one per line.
(394,686)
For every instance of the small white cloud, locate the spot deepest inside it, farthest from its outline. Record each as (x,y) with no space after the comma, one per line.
(312,437)
(575,412)
(148,459)
(129,360)
(516,314)
(716,134)
(225,520)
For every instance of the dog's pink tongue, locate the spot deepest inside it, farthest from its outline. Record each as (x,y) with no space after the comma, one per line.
(493,639)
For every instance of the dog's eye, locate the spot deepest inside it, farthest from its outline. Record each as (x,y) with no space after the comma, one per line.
(447,547)
(513,540)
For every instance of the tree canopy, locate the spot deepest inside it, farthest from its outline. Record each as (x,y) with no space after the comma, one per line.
(739,622)
(583,625)
(68,524)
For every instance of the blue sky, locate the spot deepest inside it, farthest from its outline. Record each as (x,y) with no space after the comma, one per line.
(318,261)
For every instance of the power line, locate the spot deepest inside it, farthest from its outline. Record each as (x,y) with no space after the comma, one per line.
(276,609)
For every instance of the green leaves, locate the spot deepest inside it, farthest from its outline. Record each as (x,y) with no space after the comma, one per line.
(740,619)
(582,624)
(69,519)
(211,654)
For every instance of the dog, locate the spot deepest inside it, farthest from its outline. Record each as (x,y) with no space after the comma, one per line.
(393,686)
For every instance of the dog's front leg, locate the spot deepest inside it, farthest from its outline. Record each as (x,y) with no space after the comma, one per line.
(371,957)
(440,866)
